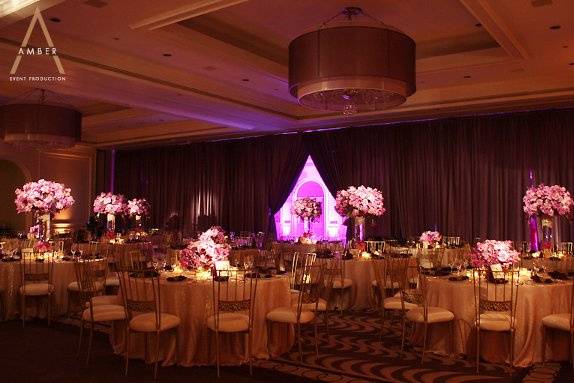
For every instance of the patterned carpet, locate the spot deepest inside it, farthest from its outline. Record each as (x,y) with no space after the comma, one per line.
(353,351)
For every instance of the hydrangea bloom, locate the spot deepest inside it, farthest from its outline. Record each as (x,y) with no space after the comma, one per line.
(430,236)
(45,197)
(307,208)
(203,253)
(359,201)
(109,203)
(491,252)
(138,206)
(547,200)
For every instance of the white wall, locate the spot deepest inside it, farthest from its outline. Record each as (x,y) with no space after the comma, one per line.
(74,167)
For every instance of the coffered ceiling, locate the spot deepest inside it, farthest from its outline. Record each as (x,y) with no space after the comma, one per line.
(173,70)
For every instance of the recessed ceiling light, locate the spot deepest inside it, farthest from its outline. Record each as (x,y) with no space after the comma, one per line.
(210,68)
(478,25)
(245,79)
(115,38)
(167,55)
(554,27)
(54,19)
(275,88)
(467,76)
(564,46)
(572,63)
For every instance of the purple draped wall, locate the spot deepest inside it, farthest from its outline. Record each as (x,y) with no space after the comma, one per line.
(464,176)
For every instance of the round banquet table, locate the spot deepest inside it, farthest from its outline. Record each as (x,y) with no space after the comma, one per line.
(535,301)
(192,302)
(11,280)
(116,248)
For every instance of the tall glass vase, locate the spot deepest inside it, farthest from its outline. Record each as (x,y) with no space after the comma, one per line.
(306,225)
(111,223)
(43,223)
(547,239)
(359,234)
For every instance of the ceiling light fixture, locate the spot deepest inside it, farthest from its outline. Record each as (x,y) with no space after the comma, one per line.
(353,66)
(34,121)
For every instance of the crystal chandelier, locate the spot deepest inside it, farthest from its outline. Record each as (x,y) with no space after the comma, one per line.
(32,121)
(351,67)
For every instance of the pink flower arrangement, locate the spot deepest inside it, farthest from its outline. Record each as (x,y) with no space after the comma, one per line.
(430,236)
(138,206)
(109,203)
(210,247)
(491,252)
(42,246)
(307,207)
(44,197)
(547,200)
(359,201)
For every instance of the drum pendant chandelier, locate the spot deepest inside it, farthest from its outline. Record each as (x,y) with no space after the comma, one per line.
(352,68)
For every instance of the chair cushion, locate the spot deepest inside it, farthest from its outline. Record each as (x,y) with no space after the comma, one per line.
(112,280)
(495,321)
(36,289)
(105,313)
(289,315)
(229,322)
(147,323)
(321,306)
(557,321)
(105,300)
(435,315)
(73,286)
(342,283)
(394,303)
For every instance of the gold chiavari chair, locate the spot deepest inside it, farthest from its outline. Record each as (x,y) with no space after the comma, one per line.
(495,297)
(325,287)
(431,260)
(265,260)
(341,284)
(36,271)
(97,307)
(567,248)
(142,302)
(424,314)
(302,312)
(375,247)
(234,293)
(390,281)
(563,322)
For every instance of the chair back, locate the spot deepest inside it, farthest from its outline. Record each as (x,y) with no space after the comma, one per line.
(234,291)
(496,292)
(37,268)
(140,291)
(430,259)
(310,284)
(391,275)
(90,276)
(265,260)
(566,247)
(375,247)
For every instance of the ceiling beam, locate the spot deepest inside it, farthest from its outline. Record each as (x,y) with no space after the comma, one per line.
(496,26)
(197,8)
(12,11)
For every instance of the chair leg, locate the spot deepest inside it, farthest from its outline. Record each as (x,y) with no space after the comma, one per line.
(156,355)
(250,352)
(127,347)
(451,338)
(543,345)
(217,351)
(477,349)
(572,347)
(268,328)
(90,341)
(50,296)
(424,343)
(316,341)
(382,323)
(81,337)
(404,333)
(23,309)
(299,343)
(511,335)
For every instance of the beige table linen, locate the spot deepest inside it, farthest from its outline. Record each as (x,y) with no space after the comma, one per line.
(11,280)
(535,301)
(191,301)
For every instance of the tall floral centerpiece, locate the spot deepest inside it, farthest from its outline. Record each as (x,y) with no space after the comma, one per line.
(210,247)
(138,208)
(111,205)
(308,210)
(430,238)
(358,203)
(547,202)
(45,199)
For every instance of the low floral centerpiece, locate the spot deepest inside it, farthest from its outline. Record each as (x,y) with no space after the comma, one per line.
(430,238)
(210,247)
(358,203)
(111,205)
(45,199)
(547,202)
(490,252)
(138,208)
